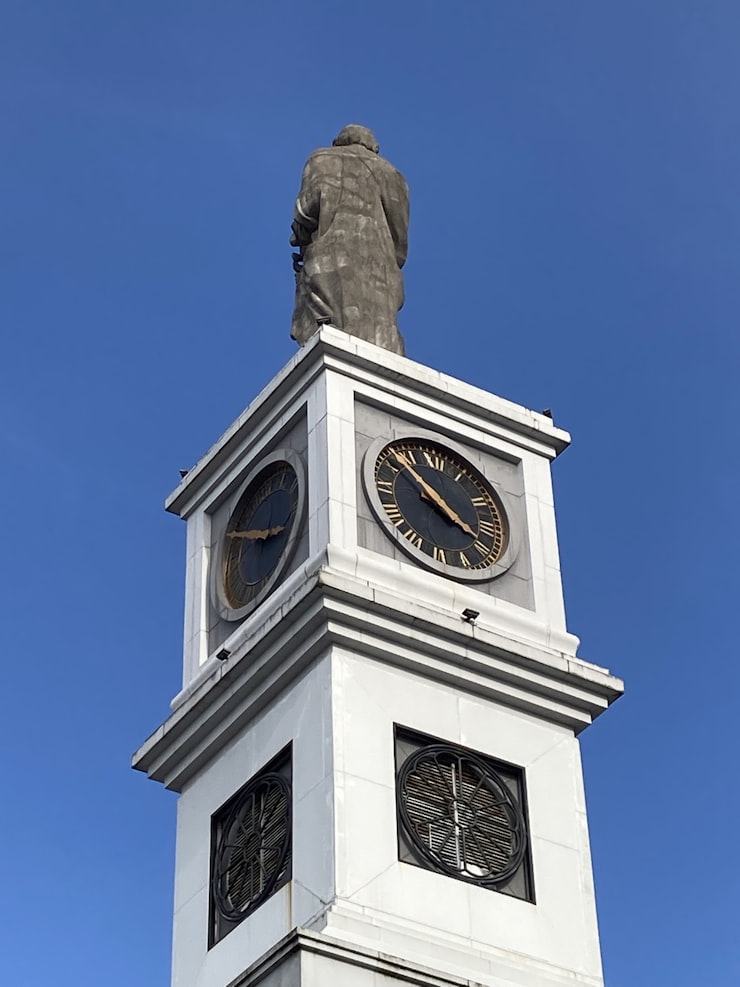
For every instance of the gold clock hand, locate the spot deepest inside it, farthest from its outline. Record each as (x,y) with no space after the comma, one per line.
(257,534)
(436,498)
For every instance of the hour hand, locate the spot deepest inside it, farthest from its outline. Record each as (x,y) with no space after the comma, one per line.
(257,534)
(430,494)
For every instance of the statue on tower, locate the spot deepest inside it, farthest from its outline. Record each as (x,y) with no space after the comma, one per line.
(351,229)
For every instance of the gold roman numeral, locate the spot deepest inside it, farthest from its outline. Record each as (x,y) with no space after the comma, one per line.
(416,540)
(393,513)
(435,461)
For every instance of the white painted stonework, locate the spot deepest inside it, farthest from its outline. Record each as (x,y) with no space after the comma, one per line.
(353,643)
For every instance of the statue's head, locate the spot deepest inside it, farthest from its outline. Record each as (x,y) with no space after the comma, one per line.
(355,134)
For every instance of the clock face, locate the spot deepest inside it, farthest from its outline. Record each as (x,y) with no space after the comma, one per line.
(260,535)
(439,508)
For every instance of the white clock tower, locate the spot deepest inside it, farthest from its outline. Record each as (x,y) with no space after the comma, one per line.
(375,744)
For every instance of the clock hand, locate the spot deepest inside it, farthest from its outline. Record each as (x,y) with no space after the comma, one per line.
(257,534)
(431,494)
(427,491)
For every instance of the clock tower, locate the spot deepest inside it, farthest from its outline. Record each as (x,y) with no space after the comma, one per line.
(376,740)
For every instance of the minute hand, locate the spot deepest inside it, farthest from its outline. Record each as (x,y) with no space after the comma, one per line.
(436,498)
(257,534)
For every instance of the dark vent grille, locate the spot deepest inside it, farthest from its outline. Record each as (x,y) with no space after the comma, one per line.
(254,848)
(460,815)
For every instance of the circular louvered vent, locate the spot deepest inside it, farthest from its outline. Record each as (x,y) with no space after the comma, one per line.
(253,849)
(460,815)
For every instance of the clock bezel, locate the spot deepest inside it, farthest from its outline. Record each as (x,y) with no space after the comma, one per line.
(511,550)
(218,595)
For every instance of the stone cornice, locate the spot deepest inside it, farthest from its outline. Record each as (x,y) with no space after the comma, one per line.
(324,606)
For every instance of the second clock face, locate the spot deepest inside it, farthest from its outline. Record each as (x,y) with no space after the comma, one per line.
(259,534)
(440,506)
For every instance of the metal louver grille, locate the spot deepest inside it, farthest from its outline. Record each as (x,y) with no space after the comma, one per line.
(254,847)
(460,815)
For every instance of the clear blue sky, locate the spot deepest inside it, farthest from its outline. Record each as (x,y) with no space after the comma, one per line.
(575,244)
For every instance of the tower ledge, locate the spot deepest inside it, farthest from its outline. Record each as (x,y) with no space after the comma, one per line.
(323,606)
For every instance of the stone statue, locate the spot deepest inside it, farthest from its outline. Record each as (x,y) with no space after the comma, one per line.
(351,228)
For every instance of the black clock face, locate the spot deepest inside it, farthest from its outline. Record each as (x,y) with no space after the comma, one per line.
(259,532)
(440,505)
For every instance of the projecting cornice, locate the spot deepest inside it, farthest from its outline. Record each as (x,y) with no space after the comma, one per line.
(324,606)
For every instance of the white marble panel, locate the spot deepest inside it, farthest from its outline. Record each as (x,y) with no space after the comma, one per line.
(363,739)
(318,485)
(551,789)
(342,524)
(565,932)
(404,698)
(537,552)
(197,534)
(549,535)
(538,477)
(302,715)
(226,773)
(505,923)
(321,970)
(314,867)
(241,947)
(555,600)
(200,650)
(192,849)
(201,588)
(549,604)
(312,748)
(413,894)
(318,526)
(507,734)
(579,791)
(190,942)
(366,837)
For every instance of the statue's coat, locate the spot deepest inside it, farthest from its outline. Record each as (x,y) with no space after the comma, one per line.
(351,221)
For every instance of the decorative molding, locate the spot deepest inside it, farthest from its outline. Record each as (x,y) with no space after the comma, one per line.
(332,608)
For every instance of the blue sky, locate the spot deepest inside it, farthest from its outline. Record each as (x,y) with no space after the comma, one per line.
(575,244)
